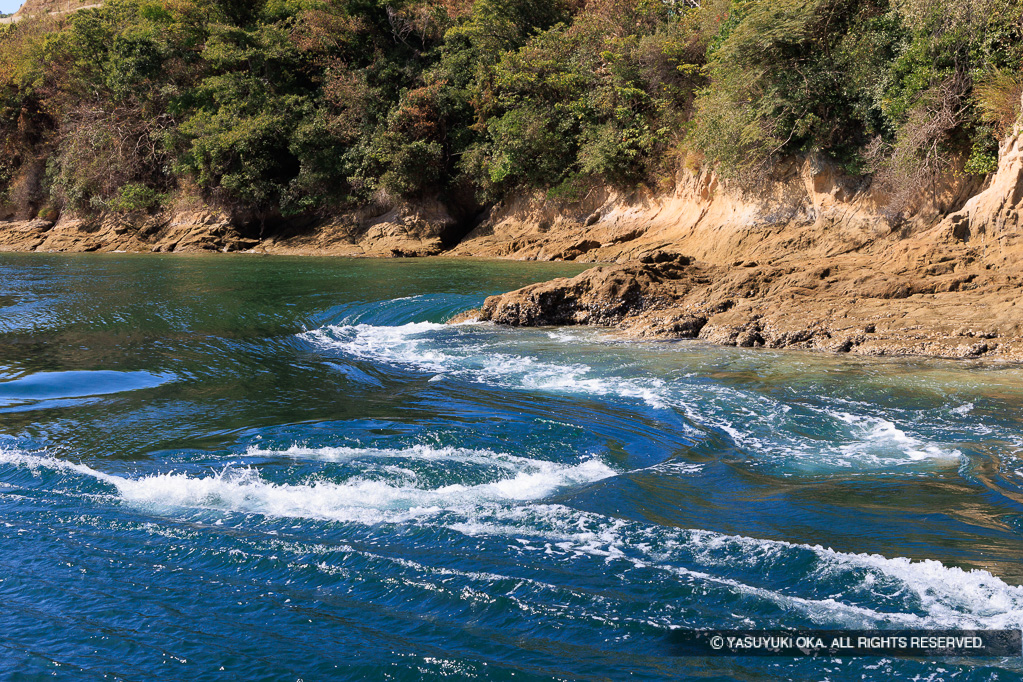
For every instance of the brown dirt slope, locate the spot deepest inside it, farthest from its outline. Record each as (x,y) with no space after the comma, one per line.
(33,8)
(36,7)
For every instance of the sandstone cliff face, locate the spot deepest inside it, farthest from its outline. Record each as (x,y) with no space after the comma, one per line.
(383,230)
(808,207)
(806,210)
(185,232)
(994,213)
(827,275)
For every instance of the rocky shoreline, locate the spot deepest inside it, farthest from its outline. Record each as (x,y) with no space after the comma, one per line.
(667,296)
(808,261)
(949,286)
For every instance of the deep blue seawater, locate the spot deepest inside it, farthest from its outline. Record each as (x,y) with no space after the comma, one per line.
(247,468)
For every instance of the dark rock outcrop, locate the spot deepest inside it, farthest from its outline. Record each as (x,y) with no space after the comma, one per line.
(845,307)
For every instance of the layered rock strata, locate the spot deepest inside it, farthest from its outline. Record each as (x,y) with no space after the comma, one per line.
(823,269)
(940,309)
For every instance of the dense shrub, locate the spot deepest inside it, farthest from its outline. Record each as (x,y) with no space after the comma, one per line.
(134,197)
(295,106)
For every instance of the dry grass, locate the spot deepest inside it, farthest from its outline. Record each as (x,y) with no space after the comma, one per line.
(919,158)
(999,97)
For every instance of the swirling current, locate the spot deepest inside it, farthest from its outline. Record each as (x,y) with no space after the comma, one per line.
(248,468)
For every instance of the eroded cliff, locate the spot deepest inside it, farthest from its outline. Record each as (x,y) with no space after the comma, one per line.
(378,230)
(817,267)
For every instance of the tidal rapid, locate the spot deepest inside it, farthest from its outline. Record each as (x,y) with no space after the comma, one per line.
(255,468)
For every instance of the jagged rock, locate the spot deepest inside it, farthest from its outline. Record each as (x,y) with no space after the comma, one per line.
(860,307)
(997,209)
(387,231)
(602,296)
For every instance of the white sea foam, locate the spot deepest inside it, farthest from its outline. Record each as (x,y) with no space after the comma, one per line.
(418,453)
(931,594)
(947,596)
(34,462)
(563,335)
(963,409)
(675,468)
(950,596)
(403,344)
(357,499)
(777,434)
(755,422)
(881,440)
(913,593)
(417,345)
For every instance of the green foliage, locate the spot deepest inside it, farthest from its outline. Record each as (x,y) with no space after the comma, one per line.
(870,83)
(6,175)
(931,97)
(778,82)
(590,99)
(414,168)
(998,96)
(983,159)
(296,106)
(135,197)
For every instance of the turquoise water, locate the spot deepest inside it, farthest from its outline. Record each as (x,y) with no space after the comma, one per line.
(251,468)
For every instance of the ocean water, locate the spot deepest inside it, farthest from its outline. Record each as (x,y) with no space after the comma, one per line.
(248,468)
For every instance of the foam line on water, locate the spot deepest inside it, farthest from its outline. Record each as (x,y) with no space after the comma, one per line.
(829,587)
(430,347)
(927,594)
(949,595)
(757,423)
(354,500)
(776,431)
(419,453)
(877,433)
(34,462)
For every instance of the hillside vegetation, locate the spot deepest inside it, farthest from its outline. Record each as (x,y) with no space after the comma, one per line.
(288,107)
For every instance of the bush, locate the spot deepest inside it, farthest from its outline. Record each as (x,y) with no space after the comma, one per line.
(297,106)
(998,96)
(134,197)
(414,168)
(778,83)
(598,99)
(983,159)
